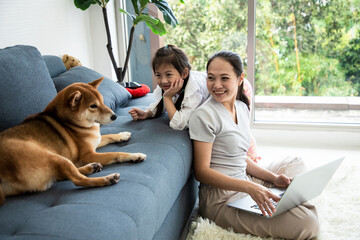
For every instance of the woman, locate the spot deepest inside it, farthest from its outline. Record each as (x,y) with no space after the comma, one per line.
(221,136)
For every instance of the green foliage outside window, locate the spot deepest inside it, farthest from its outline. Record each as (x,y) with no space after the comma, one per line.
(303,47)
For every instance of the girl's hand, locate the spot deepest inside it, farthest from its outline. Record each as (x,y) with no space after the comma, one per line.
(282,181)
(175,87)
(262,195)
(137,113)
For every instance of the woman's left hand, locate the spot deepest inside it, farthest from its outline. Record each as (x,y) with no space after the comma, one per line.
(175,87)
(282,181)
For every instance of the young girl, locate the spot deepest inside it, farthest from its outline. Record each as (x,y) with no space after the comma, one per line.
(179,91)
(221,136)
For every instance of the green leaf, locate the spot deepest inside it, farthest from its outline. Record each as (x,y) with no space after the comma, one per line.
(135,5)
(182,1)
(133,17)
(158,29)
(143,3)
(168,14)
(153,23)
(85,4)
(145,18)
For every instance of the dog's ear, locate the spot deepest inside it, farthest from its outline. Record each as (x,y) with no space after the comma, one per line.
(97,82)
(74,99)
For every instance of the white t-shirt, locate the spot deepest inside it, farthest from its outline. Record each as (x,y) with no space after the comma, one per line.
(212,122)
(195,94)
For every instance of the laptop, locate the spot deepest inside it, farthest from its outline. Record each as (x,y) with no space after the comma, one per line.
(302,188)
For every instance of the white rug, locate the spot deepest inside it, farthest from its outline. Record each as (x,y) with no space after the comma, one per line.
(338,208)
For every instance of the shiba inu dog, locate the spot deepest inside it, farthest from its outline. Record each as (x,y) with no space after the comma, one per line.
(60,142)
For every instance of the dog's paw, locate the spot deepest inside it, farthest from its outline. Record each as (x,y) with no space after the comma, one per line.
(113,178)
(138,157)
(96,167)
(124,136)
(90,168)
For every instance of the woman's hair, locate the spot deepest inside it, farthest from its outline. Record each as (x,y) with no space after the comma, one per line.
(173,55)
(235,60)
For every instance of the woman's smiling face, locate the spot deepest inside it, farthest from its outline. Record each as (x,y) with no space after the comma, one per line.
(222,81)
(165,74)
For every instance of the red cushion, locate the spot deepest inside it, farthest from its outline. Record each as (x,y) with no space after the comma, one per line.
(139,92)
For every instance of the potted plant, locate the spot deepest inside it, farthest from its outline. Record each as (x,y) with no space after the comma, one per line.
(155,24)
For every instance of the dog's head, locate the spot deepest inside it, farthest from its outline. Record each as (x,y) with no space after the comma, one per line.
(82,105)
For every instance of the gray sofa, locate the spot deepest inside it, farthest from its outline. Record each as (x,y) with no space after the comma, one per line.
(153,199)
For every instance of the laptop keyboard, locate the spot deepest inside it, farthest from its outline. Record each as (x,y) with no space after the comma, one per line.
(272,201)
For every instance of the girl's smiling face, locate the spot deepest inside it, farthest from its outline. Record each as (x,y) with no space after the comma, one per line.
(222,81)
(165,74)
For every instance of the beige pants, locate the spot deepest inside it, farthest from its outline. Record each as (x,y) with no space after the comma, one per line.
(298,223)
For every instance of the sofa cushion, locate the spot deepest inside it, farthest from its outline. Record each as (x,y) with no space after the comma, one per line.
(26,85)
(114,94)
(54,64)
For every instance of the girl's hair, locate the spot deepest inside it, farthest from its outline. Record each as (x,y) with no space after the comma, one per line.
(235,60)
(170,54)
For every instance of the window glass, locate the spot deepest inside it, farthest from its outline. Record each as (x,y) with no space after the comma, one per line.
(308,61)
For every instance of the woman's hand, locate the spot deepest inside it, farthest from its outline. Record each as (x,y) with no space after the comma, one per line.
(138,114)
(262,195)
(175,87)
(282,181)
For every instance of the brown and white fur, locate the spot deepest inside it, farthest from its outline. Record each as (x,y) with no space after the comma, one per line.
(59,143)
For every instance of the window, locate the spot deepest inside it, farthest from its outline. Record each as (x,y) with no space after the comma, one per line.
(307,63)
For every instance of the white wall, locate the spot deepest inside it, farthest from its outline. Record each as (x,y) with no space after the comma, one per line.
(57,27)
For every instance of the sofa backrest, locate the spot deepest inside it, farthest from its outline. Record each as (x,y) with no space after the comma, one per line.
(26,84)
